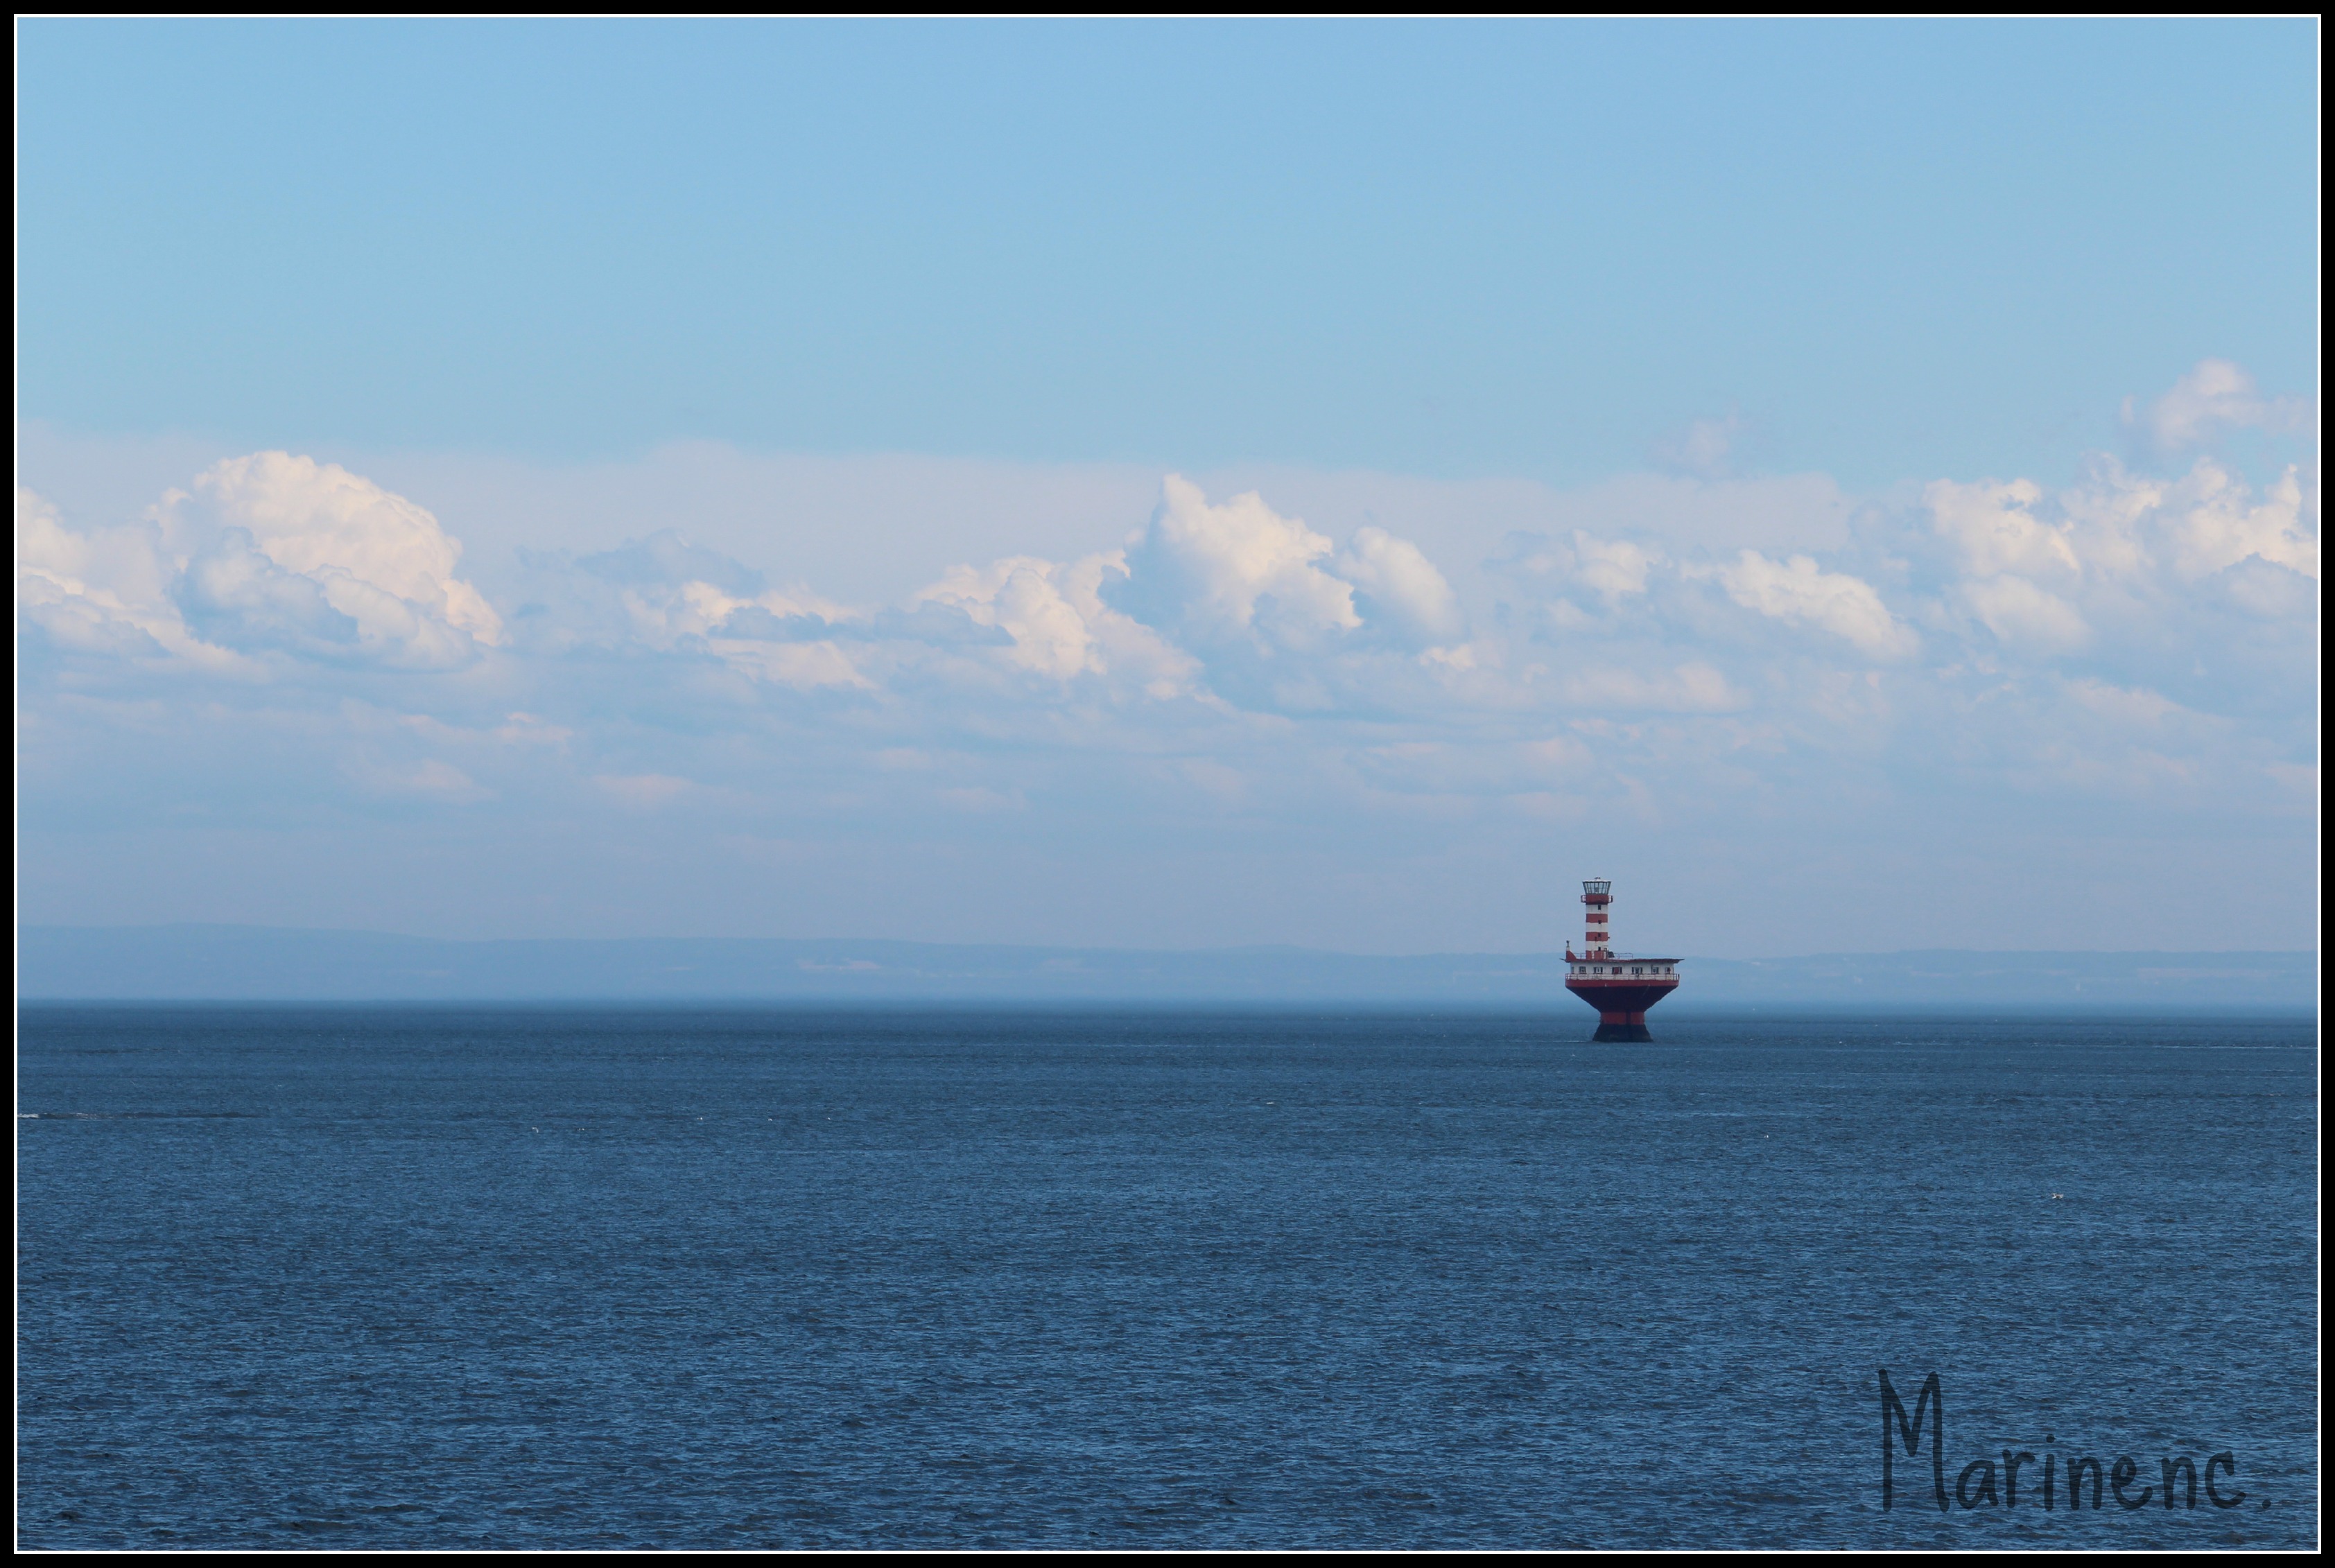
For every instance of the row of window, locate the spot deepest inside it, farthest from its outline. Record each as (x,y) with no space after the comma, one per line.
(1610,970)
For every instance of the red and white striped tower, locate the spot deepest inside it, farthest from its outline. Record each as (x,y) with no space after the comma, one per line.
(1598,896)
(1620,986)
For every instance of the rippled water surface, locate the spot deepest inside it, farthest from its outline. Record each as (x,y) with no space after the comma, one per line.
(384,1278)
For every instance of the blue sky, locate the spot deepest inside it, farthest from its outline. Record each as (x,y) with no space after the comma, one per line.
(783,478)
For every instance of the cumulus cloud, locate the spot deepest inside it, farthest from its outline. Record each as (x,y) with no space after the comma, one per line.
(771,636)
(1270,615)
(672,590)
(2213,396)
(96,591)
(1023,596)
(266,555)
(666,595)
(2023,616)
(1060,623)
(1705,449)
(376,557)
(1606,570)
(1396,578)
(1682,637)
(1799,591)
(1611,568)
(1995,529)
(2023,557)
(1238,570)
(2215,523)
(233,595)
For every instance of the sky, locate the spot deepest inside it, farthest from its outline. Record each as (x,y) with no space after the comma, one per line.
(1173,484)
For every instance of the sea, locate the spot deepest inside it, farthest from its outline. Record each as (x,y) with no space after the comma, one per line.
(409,1278)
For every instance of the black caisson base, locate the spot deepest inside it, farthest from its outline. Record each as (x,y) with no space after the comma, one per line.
(1624,1031)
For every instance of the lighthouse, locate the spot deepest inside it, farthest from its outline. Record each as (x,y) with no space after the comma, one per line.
(1620,985)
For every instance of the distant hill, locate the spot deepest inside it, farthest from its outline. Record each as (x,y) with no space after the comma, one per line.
(246,962)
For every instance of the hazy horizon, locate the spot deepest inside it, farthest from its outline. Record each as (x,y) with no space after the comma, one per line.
(1112,947)
(229,962)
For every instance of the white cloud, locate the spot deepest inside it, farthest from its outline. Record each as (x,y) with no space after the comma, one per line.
(103,592)
(2021,615)
(782,639)
(376,557)
(1459,658)
(1705,448)
(805,666)
(268,555)
(1994,529)
(234,596)
(2216,523)
(1798,590)
(1060,625)
(1020,593)
(1235,570)
(666,614)
(2268,593)
(2215,395)
(1714,641)
(2045,573)
(1398,575)
(1611,568)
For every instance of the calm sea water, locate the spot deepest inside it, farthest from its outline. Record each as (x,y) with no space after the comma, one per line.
(408,1278)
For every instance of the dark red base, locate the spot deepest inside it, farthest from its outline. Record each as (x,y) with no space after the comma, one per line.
(1621,1008)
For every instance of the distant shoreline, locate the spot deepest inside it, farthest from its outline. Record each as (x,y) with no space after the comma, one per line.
(1812,1014)
(237,964)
